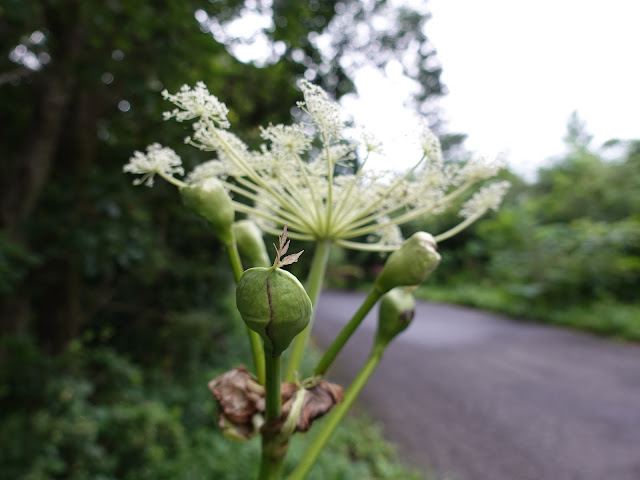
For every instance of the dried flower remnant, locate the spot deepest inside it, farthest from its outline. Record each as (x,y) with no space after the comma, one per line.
(241,403)
(304,403)
(240,398)
(318,401)
(288,182)
(282,248)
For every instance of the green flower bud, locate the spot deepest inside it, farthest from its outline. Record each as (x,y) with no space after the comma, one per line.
(250,243)
(210,200)
(411,264)
(273,303)
(397,308)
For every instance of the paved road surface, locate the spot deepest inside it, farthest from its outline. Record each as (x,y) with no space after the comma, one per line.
(479,397)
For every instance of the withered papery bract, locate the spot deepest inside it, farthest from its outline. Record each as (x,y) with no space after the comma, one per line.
(240,399)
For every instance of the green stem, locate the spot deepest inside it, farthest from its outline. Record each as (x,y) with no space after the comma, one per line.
(272,463)
(234,259)
(274,448)
(254,339)
(458,228)
(272,387)
(367,247)
(313,286)
(335,417)
(337,345)
(344,197)
(256,352)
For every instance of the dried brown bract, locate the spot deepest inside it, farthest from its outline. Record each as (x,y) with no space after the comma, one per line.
(239,397)
(241,403)
(318,401)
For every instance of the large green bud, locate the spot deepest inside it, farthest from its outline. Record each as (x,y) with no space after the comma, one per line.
(397,308)
(250,243)
(273,303)
(210,200)
(411,264)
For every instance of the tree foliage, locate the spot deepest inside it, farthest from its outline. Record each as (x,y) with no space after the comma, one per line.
(111,298)
(573,236)
(80,82)
(565,248)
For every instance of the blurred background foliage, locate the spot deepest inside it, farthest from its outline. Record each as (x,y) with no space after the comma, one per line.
(114,308)
(563,249)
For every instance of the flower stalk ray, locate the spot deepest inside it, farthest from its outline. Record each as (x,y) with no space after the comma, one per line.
(288,181)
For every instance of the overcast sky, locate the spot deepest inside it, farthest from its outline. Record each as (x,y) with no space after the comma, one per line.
(515,71)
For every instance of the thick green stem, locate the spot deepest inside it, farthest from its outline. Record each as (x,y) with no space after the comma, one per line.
(274,447)
(273,401)
(254,339)
(272,463)
(340,341)
(335,417)
(313,286)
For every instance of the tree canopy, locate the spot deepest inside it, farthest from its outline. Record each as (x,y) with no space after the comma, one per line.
(80,82)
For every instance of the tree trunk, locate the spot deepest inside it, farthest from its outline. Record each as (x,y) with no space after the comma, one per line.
(25,173)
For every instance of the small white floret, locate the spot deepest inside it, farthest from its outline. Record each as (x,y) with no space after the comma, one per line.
(158,159)
(197,103)
(487,198)
(324,112)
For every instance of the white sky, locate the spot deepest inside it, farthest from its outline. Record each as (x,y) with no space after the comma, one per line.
(515,71)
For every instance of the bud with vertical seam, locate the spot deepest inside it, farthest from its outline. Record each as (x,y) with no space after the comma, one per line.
(273,303)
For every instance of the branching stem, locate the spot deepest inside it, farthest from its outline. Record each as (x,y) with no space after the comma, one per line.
(346,333)
(335,417)
(274,447)
(254,339)
(313,286)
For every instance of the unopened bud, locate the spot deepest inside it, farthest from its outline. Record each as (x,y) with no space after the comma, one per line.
(411,264)
(210,200)
(397,308)
(273,303)
(250,243)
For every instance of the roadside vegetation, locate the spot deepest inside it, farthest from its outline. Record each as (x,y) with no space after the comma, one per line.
(563,249)
(114,304)
(109,409)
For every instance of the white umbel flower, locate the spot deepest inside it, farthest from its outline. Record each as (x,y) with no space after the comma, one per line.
(158,159)
(430,144)
(479,168)
(288,182)
(487,198)
(324,112)
(287,138)
(196,103)
(371,143)
(212,168)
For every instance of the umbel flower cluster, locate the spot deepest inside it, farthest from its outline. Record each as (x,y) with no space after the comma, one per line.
(291,179)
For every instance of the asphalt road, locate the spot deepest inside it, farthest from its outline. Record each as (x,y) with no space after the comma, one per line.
(476,396)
